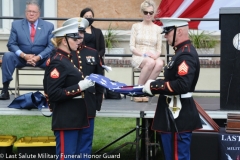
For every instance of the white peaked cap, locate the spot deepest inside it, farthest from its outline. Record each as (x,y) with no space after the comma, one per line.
(62,31)
(177,22)
(82,22)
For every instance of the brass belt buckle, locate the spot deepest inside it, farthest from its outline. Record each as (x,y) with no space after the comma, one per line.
(175,108)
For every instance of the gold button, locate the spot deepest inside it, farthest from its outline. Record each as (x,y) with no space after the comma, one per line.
(80,67)
(78,90)
(78,56)
(162,86)
(73,91)
(82,76)
(91,63)
(79,70)
(68,92)
(71,60)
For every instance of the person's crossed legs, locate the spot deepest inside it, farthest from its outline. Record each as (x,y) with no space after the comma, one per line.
(10,61)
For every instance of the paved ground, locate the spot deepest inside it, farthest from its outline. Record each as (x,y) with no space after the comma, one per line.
(207,103)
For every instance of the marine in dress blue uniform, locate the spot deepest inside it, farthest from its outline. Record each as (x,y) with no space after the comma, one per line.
(64,86)
(88,61)
(176,114)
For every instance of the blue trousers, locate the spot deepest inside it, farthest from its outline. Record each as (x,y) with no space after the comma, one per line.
(86,140)
(174,148)
(10,61)
(68,144)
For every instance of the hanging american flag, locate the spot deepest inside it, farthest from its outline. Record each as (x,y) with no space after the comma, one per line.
(117,86)
(195,9)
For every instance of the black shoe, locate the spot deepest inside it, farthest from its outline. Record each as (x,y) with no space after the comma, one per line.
(4,95)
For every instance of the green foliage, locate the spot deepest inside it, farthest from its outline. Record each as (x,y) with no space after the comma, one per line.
(110,37)
(22,126)
(201,39)
(106,130)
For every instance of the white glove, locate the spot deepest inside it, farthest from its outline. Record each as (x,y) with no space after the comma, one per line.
(146,87)
(107,68)
(86,83)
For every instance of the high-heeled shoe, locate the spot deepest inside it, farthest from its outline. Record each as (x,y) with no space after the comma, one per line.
(145,99)
(137,99)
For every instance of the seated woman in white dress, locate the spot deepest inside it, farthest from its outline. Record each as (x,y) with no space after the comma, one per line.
(145,45)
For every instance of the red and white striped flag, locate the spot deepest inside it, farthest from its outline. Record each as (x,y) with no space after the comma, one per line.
(195,9)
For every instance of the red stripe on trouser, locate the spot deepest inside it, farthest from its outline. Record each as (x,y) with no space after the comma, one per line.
(62,145)
(175,145)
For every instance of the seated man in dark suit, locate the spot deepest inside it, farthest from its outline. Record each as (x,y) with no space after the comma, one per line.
(29,44)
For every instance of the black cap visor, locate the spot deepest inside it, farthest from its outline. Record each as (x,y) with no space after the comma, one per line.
(81,29)
(74,36)
(167,29)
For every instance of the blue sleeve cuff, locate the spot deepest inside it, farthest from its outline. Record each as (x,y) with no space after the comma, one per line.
(40,56)
(18,52)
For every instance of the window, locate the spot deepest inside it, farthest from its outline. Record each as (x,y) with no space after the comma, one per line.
(20,6)
(16,8)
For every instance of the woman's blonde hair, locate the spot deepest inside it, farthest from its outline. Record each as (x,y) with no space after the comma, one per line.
(148,3)
(56,41)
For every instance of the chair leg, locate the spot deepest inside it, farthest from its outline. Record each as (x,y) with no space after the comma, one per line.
(133,80)
(16,83)
(132,76)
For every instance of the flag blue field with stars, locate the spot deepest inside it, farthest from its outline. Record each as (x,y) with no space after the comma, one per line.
(119,87)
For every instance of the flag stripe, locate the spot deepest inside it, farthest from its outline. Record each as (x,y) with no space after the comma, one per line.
(167,8)
(195,9)
(214,13)
(182,8)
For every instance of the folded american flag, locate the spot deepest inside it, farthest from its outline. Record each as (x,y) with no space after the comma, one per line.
(133,91)
(117,86)
(105,82)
